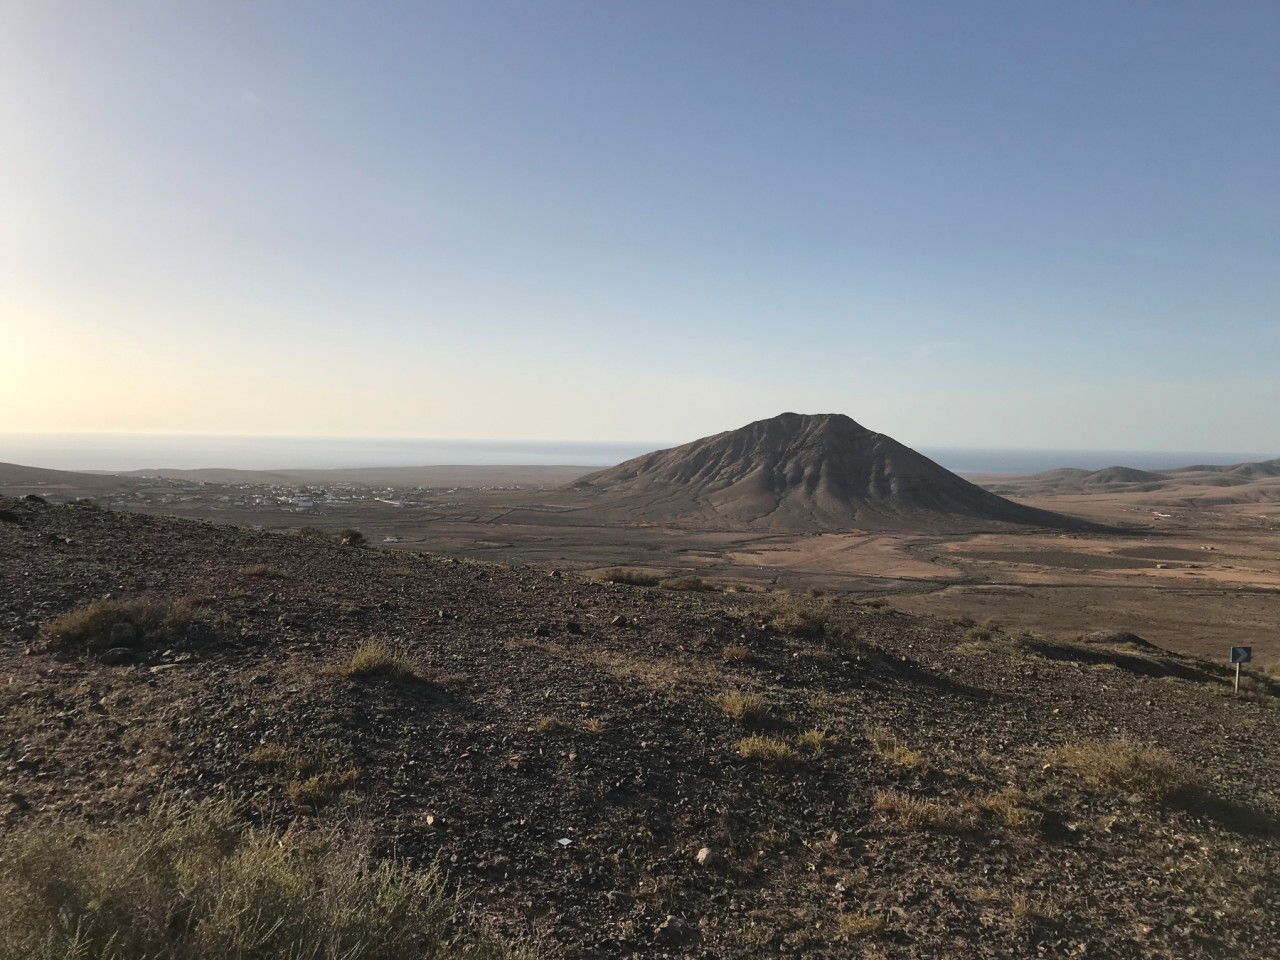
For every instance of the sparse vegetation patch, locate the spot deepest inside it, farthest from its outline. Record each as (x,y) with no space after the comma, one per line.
(688,584)
(766,748)
(885,745)
(747,708)
(632,578)
(1122,765)
(374,658)
(201,885)
(103,624)
(1008,807)
(794,620)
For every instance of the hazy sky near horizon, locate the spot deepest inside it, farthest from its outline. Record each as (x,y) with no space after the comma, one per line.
(1000,224)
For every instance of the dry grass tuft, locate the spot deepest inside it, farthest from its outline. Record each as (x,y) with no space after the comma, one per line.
(853,926)
(748,708)
(887,747)
(373,658)
(790,618)
(766,748)
(200,884)
(309,781)
(89,627)
(1009,807)
(813,742)
(923,813)
(320,788)
(1033,910)
(549,725)
(1122,765)
(735,653)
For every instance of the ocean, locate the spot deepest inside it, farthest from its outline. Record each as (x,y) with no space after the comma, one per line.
(120,452)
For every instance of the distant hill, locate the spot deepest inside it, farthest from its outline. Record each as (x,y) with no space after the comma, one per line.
(803,473)
(1109,475)
(15,478)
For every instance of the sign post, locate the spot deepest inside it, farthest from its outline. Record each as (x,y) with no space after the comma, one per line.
(1240,655)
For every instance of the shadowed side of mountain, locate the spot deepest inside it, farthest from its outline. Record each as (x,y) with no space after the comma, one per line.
(799,472)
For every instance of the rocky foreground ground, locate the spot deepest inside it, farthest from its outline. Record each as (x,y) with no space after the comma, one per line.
(625,771)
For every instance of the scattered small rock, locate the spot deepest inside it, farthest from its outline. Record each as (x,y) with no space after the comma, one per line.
(674,932)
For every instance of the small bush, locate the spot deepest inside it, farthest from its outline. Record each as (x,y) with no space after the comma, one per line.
(749,708)
(373,658)
(549,725)
(631,577)
(263,570)
(736,654)
(90,626)
(766,748)
(1121,765)
(687,584)
(202,885)
(794,620)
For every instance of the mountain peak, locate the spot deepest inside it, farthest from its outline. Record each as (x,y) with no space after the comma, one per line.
(801,472)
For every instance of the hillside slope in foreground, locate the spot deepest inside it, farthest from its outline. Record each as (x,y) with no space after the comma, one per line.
(617,771)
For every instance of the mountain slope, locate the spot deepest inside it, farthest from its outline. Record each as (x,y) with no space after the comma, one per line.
(800,472)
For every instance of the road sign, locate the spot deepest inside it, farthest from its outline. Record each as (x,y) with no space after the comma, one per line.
(1240,655)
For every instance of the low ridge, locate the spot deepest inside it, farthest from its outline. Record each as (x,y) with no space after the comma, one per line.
(821,472)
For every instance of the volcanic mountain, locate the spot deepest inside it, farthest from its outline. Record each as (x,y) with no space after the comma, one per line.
(799,472)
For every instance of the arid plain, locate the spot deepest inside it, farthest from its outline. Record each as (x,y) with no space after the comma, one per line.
(1191,560)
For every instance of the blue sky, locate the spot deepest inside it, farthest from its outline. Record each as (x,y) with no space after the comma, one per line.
(981,224)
